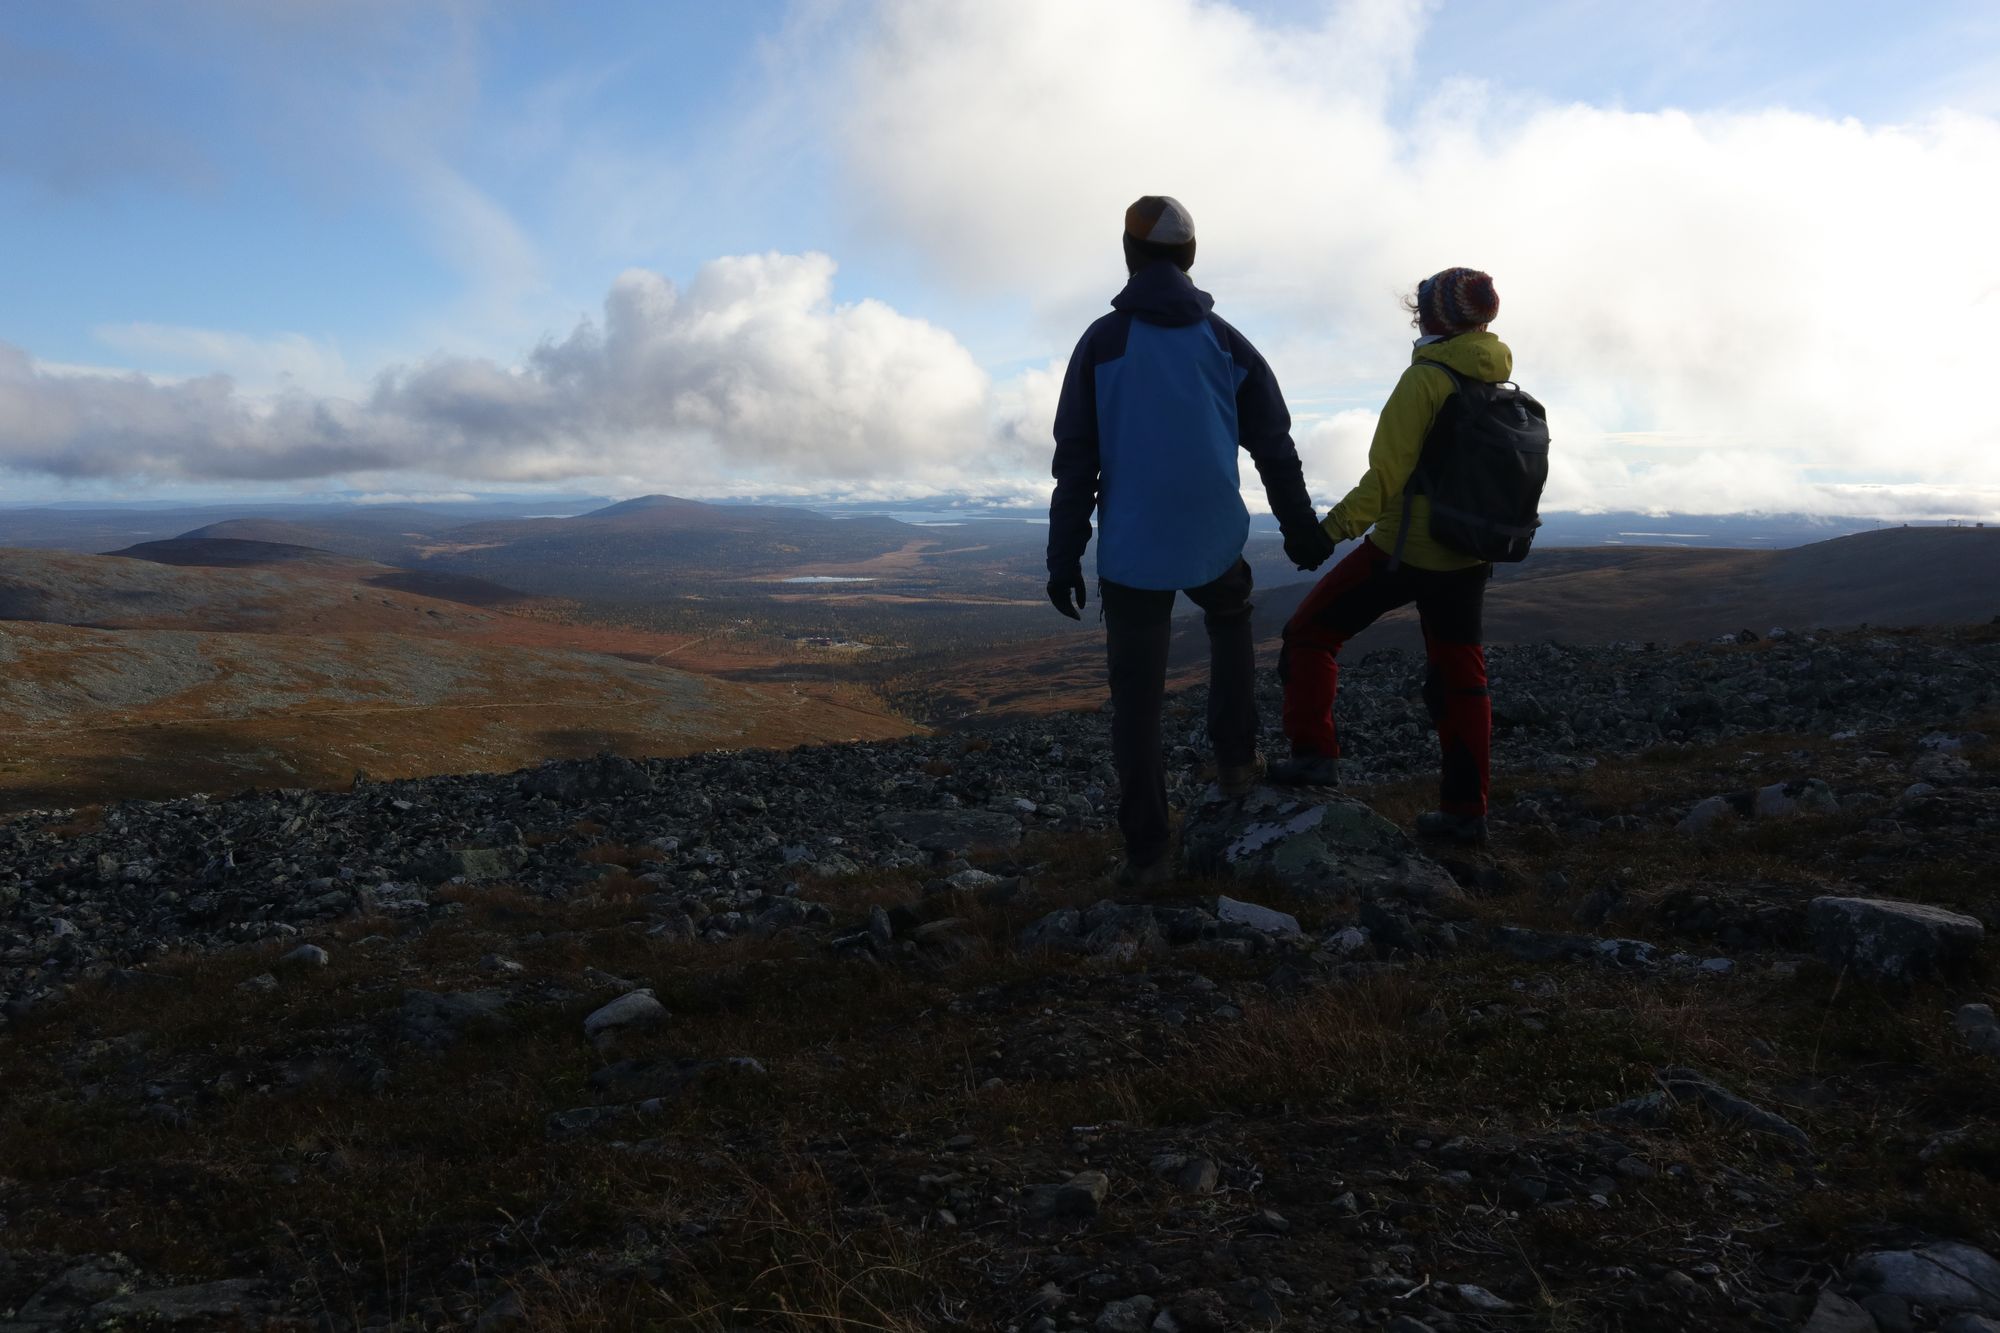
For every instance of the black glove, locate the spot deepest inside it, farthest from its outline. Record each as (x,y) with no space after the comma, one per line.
(1066,591)
(1308,548)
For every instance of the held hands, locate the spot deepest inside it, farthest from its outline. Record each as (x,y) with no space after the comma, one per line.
(1309,548)
(1066,592)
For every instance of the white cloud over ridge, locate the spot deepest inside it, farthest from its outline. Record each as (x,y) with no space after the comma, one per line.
(1799,293)
(1743,309)
(752,371)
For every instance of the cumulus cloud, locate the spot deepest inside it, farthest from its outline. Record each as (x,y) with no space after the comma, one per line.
(1724,310)
(753,371)
(288,360)
(1803,298)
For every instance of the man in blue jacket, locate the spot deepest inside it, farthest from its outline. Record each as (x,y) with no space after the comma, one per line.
(1159,396)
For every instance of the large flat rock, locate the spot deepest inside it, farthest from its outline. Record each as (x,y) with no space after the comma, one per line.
(1889,940)
(1315,843)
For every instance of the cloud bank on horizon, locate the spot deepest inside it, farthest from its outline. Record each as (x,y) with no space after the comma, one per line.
(1724,309)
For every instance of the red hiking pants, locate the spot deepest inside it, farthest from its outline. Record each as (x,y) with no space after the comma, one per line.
(1352,596)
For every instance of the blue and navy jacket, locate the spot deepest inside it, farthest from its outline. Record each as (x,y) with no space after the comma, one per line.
(1159,396)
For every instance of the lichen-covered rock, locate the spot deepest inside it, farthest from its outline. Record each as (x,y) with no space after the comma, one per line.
(208,1305)
(1782,799)
(1891,940)
(440,1018)
(1268,920)
(634,1009)
(1317,844)
(1980,1029)
(1945,1275)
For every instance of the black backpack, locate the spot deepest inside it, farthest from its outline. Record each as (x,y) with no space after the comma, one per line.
(1483,466)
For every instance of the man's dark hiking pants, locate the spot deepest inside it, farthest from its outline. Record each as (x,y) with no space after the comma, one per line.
(1139,625)
(1361,589)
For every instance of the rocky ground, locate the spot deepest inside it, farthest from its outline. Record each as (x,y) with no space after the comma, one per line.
(861,1037)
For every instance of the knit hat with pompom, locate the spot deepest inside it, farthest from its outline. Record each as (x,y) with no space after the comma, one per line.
(1457,299)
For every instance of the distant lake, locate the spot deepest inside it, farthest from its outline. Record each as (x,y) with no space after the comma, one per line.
(824,578)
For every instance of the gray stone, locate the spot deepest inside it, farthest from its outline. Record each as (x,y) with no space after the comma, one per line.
(1782,799)
(1132,1315)
(952,830)
(1969,1323)
(87,1283)
(200,1306)
(635,1009)
(1891,1313)
(1834,1313)
(439,1018)
(1479,1298)
(1888,940)
(950,939)
(1231,912)
(1197,1176)
(306,956)
(1318,844)
(1945,1275)
(1979,1028)
(1348,939)
(392,898)
(583,1119)
(1060,930)
(474,863)
(1079,1196)
(1120,933)
(1543,946)
(1688,1085)
(1706,815)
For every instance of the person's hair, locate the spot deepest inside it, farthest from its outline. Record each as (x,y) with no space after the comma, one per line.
(1416,309)
(1140,253)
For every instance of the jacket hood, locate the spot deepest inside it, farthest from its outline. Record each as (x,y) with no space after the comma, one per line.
(1160,293)
(1477,355)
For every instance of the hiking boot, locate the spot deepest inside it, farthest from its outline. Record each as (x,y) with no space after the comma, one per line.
(1238,780)
(1306,770)
(1468,829)
(1148,876)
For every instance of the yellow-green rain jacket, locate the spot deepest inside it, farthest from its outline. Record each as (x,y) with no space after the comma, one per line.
(1377,499)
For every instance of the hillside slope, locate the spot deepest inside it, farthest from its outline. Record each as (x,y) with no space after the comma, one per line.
(865,1038)
(92,714)
(239,587)
(126,677)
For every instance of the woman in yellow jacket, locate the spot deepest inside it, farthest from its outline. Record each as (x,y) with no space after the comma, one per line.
(1451,311)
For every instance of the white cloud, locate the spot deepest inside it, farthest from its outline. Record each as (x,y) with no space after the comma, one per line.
(1728,310)
(257,364)
(752,372)
(1806,295)
(415,497)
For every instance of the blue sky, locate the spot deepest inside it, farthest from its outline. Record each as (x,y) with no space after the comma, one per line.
(306,196)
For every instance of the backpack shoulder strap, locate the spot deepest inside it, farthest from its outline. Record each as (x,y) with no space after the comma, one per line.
(1418,481)
(1457,380)
(1403,531)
